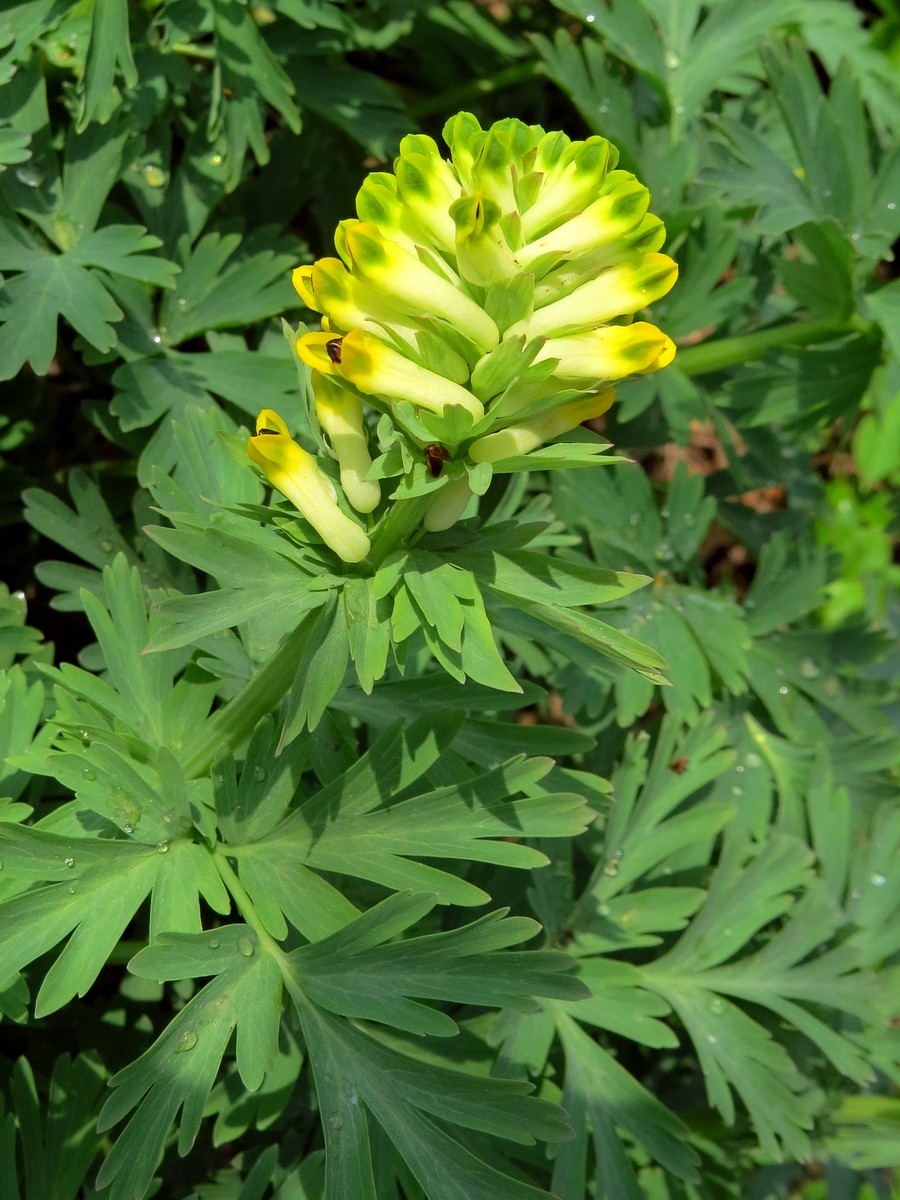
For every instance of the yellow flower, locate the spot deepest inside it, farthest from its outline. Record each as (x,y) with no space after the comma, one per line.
(295,473)
(341,416)
(490,282)
(528,435)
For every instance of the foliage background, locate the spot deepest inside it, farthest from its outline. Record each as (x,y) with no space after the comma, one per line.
(734,909)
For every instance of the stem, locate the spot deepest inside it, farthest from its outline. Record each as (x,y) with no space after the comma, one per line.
(190,50)
(459,97)
(401,521)
(720,353)
(236,720)
(245,905)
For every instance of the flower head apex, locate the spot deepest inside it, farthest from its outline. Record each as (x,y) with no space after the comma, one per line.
(511,272)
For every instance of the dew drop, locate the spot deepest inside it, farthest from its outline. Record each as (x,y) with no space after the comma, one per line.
(711,1038)
(84,735)
(336,1121)
(753,760)
(214,943)
(783,691)
(877,880)
(187,1041)
(611,868)
(633,519)
(156,337)
(716,1005)
(259,774)
(591,18)
(215,160)
(673,62)
(603,910)
(737,791)
(154,175)
(127,827)
(739,769)
(29,175)
(181,302)
(891,206)
(245,946)
(71,890)
(88,774)
(69,861)
(162,847)
(809,669)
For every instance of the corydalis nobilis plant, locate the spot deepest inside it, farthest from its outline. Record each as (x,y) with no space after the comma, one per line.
(483,305)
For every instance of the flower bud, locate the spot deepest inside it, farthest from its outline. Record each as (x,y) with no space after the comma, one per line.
(341,416)
(295,473)
(528,435)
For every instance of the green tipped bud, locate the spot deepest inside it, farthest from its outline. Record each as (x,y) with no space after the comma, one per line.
(603,222)
(528,435)
(341,416)
(481,250)
(568,186)
(619,291)
(427,197)
(608,353)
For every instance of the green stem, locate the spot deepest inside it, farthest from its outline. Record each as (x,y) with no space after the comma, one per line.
(235,721)
(721,353)
(398,525)
(245,905)
(190,50)
(460,97)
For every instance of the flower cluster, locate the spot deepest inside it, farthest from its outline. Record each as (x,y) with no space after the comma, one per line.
(485,304)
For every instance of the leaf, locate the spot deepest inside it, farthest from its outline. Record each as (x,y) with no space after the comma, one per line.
(735,1051)
(596,635)
(359,972)
(95,907)
(379,838)
(178,1071)
(60,1144)
(359,1077)
(109,51)
(602,1093)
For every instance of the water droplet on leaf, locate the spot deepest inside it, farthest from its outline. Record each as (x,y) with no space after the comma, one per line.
(154,175)
(162,847)
(245,945)
(187,1041)
(28,174)
(69,861)
(877,880)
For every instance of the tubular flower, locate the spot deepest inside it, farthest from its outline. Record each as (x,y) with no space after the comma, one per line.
(522,259)
(295,473)
(341,416)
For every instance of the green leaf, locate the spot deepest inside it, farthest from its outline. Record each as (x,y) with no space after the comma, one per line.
(359,972)
(601,1092)
(359,1077)
(380,838)
(109,52)
(596,635)
(59,1144)
(178,1071)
